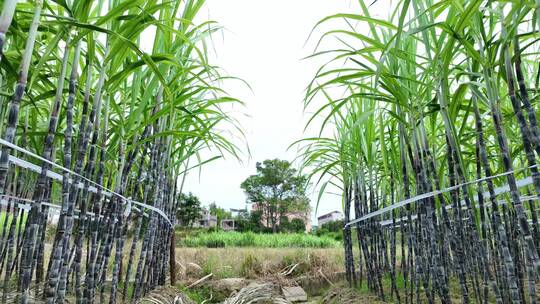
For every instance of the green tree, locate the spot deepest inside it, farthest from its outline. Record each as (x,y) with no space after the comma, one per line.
(297,225)
(250,221)
(277,188)
(219,212)
(189,209)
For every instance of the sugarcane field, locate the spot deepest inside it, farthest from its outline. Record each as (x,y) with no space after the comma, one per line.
(257,151)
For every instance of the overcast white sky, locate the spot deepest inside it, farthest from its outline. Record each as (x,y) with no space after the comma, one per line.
(263,43)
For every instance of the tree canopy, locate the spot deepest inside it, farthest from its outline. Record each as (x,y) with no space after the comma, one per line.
(189,209)
(277,189)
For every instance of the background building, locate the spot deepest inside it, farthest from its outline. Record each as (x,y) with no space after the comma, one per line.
(329,217)
(206,220)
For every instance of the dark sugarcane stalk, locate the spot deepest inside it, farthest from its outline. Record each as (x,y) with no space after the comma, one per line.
(149,266)
(66,177)
(433,230)
(117,234)
(40,247)
(534,134)
(425,262)
(526,135)
(534,217)
(139,274)
(375,232)
(531,283)
(13,191)
(406,192)
(81,147)
(64,222)
(138,228)
(509,236)
(486,277)
(458,231)
(362,233)
(8,262)
(167,245)
(367,243)
(145,248)
(508,167)
(359,233)
(93,268)
(497,227)
(526,132)
(154,250)
(451,140)
(159,269)
(172,246)
(91,277)
(107,222)
(102,219)
(431,173)
(362,248)
(69,118)
(35,213)
(89,130)
(347,241)
(130,162)
(419,257)
(393,243)
(472,228)
(13,106)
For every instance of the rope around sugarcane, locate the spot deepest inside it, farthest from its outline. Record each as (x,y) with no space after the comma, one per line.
(499,190)
(22,163)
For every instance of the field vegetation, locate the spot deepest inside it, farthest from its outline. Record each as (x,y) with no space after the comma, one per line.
(263,240)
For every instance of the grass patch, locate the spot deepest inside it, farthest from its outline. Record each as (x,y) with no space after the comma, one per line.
(248,239)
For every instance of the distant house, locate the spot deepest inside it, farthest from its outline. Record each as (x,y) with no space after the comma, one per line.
(228,224)
(329,217)
(305,216)
(206,220)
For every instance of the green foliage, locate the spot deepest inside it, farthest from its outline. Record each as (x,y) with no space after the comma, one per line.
(249,239)
(189,209)
(296,225)
(250,222)
(277,188)
(333,226)
(215,243)
(219,212)
(199,295)
(332,229)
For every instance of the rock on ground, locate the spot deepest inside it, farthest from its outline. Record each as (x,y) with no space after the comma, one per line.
(229,285)
(294,294)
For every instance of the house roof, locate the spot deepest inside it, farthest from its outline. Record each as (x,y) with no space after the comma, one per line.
(328,214)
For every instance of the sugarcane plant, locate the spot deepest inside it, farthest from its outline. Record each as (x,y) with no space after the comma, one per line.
(426,122)
(105,107)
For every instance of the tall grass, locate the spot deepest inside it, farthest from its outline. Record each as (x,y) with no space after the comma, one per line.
(250,239)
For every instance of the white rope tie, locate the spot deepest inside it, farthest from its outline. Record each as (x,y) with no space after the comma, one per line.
(503,189)
(22,163)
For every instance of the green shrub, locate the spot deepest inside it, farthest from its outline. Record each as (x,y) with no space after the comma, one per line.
(214,243)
